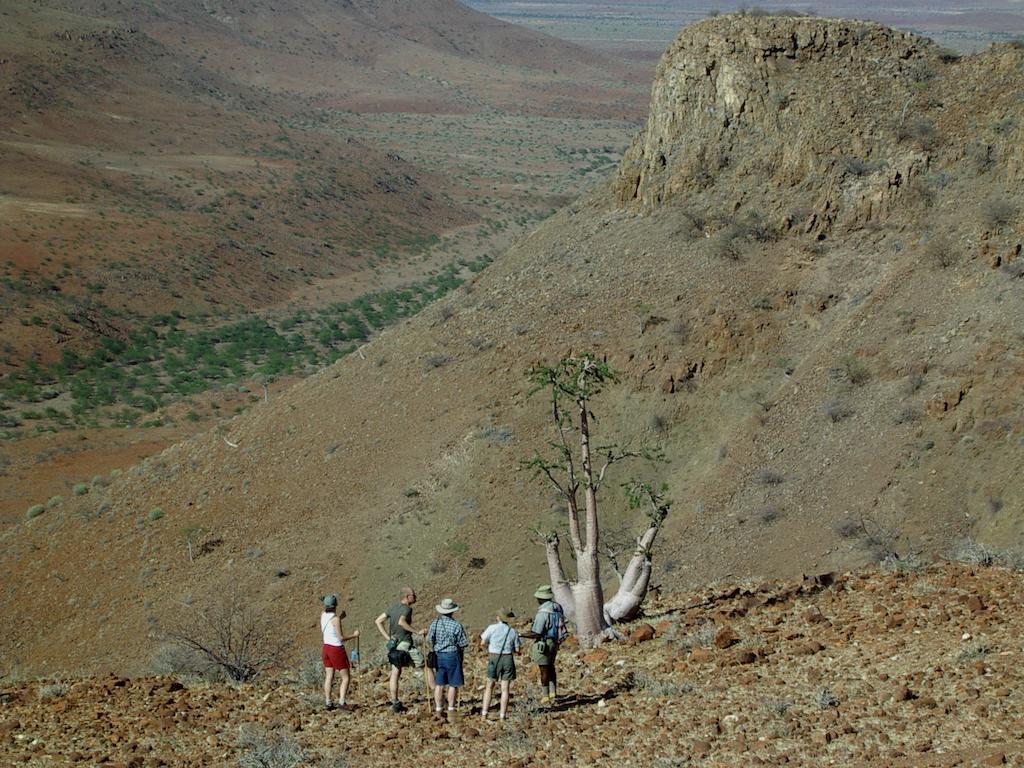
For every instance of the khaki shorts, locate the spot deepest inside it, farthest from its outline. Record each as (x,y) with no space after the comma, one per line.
(501,667)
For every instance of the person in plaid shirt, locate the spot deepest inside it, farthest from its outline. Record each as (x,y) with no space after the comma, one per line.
(448,639)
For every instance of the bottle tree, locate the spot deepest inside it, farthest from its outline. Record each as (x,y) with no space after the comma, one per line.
(578,468)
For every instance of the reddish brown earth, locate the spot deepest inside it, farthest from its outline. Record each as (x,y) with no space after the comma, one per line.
(807,271)
(907,669)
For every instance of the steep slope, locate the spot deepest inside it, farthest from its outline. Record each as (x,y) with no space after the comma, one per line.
(176,156)
(808,272)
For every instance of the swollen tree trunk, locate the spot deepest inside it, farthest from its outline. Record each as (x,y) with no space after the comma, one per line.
(559,584)
(589,599)
(625,604)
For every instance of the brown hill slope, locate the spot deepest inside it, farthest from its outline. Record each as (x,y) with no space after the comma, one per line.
(906,670)
(808,272)
(173,155)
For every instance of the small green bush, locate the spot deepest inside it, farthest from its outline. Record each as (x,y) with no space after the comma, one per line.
(156,513)
(80,489)
(35,511)
(54,501)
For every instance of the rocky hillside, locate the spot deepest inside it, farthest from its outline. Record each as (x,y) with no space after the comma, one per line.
(808,273)
(864,669)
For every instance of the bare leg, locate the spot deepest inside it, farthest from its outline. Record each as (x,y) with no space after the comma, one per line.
(393,683)
(346,678)
(452,693)
(487,698)
(438,697)
(505,684)
(328,683)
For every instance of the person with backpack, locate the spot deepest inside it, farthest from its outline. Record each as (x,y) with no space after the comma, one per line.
(402,652)
(448,640)
(548,632)
(502,643)
(334,656)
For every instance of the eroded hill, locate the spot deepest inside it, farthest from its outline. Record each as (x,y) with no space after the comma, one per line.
(808,272)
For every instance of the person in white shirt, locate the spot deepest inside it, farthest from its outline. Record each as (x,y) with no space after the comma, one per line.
(334,656)
(503,644)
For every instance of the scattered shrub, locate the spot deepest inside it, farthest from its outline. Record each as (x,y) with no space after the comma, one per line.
(997,212)
(438,360)
(768,514)
(54,501)
(906,415)
(836,410)
(655,685)
(940,252)
(849,527)
(52,691)
(826,699)
(310,672)
(260,748)
(156,513)
(700,637)
(35,511)
(855,370)
(767,476)
(80,489)
(185,663)
(919,130)
(233,637)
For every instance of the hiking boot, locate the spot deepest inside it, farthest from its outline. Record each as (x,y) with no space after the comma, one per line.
(342,707)
(397,706)
(329,705)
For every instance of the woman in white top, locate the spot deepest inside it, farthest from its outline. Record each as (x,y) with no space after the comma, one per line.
(334,655)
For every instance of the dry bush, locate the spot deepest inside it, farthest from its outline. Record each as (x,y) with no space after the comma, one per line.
(231,636)
(918,130)
(768,514)
(836,410)
(768,476)
(260,748)
(184,663)
(940,252)
(997,212)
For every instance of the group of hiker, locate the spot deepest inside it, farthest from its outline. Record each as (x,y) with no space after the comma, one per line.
(447,640)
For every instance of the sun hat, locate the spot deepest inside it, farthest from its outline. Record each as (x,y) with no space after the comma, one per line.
(506,613)
(446,606)
(331,601)
(544,592)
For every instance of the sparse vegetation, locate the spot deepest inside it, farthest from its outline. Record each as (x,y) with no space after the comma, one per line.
(233,637)
(836,410)
(260,748)
(35,511)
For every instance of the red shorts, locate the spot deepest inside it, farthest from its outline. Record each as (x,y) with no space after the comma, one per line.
(335,657)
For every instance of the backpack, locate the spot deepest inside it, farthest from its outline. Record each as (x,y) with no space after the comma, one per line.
(556,629)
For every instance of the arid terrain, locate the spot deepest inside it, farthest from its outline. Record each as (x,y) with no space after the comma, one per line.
(643,27)
(198,201)
(809,285)
(906,669)
(806,270)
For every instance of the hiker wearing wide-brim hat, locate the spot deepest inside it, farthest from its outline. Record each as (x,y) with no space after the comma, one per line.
(448,639)
(548,632)
(503,643)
